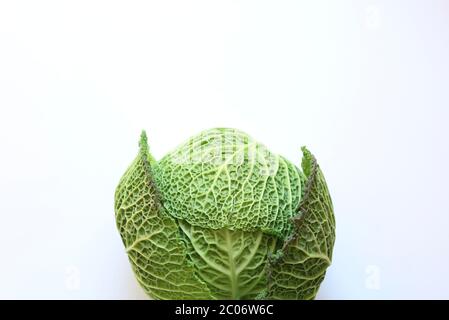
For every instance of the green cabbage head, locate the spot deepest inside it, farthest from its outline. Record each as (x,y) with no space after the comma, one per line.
(222,217)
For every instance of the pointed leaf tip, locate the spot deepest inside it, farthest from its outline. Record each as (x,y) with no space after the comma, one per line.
(308,161)
(143,143)
(143,137)
(144,149)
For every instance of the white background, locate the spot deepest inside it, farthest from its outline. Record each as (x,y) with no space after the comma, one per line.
(364,84)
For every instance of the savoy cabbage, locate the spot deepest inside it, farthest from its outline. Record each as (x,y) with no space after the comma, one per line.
(222,217)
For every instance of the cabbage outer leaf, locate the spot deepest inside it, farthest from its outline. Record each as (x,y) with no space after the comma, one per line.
(298,269)
(233,263)
(151,237)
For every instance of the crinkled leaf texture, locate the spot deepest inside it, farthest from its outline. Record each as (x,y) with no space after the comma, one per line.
(300,266)
(222,178)
(151,237)
(250,225)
